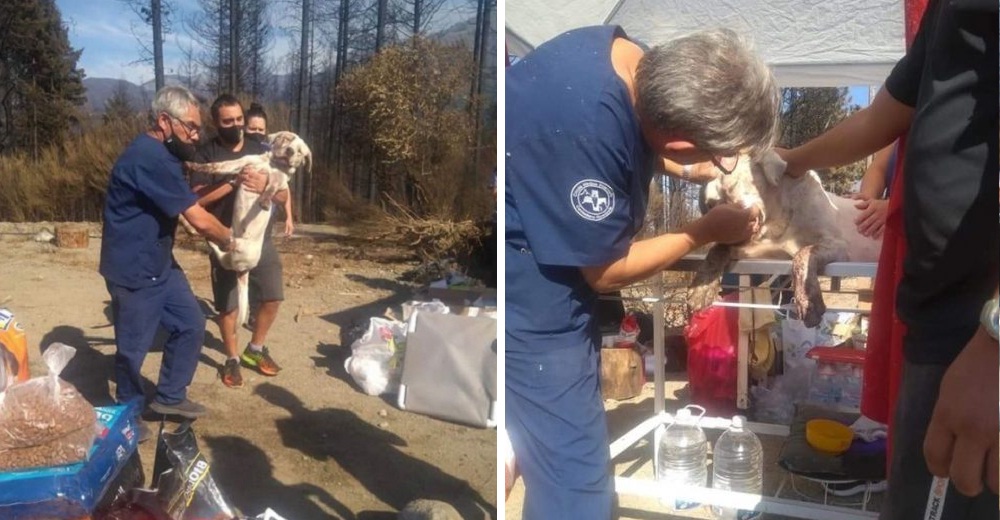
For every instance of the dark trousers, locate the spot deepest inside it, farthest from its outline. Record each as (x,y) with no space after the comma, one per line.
(137,314)
(909,479)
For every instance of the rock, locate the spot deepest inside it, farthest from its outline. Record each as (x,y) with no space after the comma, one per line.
(383,413)
(422,509)
(384,425)
(43,236)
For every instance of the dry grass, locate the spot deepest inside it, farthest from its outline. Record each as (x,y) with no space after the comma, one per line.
(427,238)
(67,182)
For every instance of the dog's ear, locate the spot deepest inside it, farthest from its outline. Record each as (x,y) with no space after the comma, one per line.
(773,167)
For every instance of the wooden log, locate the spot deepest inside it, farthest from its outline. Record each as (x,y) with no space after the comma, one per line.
(72,236)
(621,373)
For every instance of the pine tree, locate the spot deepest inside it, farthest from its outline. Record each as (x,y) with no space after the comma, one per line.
(119,107)
(807,113)
(41,88)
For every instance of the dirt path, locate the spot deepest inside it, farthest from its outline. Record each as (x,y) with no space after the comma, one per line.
(308,443)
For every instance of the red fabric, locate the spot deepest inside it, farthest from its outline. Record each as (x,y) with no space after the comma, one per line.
(884,362)
(712,338)
(914,12)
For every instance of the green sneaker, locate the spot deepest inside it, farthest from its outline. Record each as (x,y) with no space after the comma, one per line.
(261,361)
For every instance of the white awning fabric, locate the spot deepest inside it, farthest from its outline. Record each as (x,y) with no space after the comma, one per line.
(808,43)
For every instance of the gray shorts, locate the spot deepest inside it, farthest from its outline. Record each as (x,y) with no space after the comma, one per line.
(265,280)
(909,479)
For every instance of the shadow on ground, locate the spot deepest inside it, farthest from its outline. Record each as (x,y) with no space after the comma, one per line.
(379,463)
(236,458)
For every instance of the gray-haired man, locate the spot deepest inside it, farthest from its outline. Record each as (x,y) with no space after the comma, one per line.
(588,114)
(146,193)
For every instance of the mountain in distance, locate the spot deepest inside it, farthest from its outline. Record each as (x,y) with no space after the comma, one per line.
(100,90)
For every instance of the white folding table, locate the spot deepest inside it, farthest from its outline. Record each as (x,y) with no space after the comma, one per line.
(649,488)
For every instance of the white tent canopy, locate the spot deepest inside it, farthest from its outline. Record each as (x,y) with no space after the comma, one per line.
(808,43)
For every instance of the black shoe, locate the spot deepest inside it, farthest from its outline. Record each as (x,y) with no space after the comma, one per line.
(186,408)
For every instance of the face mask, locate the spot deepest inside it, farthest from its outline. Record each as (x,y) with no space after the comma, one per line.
(231,134)
(179,149)
(253,136)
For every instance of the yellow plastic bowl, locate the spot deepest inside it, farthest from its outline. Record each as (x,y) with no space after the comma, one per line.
(828,436)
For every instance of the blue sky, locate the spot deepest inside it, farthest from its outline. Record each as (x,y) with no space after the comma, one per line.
(104,29)
(858,96)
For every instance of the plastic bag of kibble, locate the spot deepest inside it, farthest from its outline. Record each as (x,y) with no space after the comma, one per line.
(44,421)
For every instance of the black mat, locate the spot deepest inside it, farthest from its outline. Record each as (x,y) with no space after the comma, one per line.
(798,457)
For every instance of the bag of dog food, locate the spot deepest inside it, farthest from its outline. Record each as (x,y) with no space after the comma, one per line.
(183,479)
(45,421)
(13,351)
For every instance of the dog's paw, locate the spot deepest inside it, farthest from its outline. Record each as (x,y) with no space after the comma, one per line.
(811,311)
(702,296)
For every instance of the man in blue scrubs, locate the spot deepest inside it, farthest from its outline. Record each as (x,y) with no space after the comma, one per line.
(589,115)
(146,193)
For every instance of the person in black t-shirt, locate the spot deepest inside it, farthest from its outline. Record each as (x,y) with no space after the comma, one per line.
(943,92)
(266,278)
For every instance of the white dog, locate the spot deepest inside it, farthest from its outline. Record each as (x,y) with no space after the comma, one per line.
(252,211)
(799,220)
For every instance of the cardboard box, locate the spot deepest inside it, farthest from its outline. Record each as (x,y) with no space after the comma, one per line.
(460,296)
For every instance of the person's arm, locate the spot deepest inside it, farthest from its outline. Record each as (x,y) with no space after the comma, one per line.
(289,220)
(699,172)
(208,226)
(860,134)
(726,223)
(961,440)
(209,194)
(870,221)
(873,181)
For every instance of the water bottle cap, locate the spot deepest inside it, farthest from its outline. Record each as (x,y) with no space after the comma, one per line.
(683,416)
(739,422)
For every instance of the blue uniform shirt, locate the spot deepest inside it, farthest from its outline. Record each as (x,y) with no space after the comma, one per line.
(577,182)
(146,193)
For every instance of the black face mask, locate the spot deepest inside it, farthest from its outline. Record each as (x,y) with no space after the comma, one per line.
(253,136)
(179,149)
(231,134)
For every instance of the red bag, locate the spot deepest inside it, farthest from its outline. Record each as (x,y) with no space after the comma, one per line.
(712,338)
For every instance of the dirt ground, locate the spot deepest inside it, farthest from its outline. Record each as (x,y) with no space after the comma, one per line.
(307,443)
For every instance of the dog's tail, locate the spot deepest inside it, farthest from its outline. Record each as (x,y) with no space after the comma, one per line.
(243,297)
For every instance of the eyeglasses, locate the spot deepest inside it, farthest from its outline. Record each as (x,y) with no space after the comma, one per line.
(726,164)
(191,128)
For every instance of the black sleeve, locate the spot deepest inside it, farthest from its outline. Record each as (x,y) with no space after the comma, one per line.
(903,83)
(202,155)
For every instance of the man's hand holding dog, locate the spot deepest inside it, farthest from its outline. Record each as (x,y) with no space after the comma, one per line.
(253,179)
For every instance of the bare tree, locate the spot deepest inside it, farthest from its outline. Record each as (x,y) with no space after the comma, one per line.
(235,37)
(156,15)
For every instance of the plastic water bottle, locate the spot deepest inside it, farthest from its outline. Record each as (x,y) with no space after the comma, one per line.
(738,465)
(683,455)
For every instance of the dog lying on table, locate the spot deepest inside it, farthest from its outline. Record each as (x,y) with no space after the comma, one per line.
(252,211)
(798,220)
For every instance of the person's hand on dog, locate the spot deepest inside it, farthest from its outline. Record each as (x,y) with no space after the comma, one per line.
(871,220)
(726,224)
(253,180)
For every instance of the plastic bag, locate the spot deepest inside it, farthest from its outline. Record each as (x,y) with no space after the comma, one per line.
(182,476)
(797,339)
(375,363)
(712,337)
(44,421)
